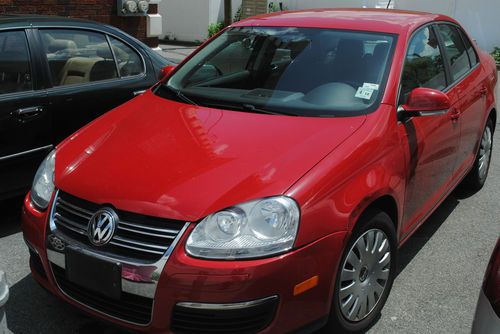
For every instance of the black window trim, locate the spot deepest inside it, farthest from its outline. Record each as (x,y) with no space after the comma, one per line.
(454,81)
(450,84)
(119,78)
(31,55)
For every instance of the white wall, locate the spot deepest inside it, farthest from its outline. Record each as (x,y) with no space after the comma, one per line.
(188,20)
(481,18)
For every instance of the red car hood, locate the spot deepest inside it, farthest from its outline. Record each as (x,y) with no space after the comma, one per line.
(167,159)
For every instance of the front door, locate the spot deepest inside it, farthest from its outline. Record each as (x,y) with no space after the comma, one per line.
(25,125)
(432,141)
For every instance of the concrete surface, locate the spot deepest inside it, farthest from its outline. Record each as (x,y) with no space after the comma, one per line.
(174,52)
(441,268)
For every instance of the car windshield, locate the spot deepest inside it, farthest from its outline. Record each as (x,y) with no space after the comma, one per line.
(285,70)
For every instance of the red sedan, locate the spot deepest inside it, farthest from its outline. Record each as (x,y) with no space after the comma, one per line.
(267,182)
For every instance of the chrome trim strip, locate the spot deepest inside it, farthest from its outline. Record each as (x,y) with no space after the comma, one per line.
(226,306)
(164,230)
(5,157)
(120,244)
(63,202)
(138,243)
(71,222)
(145,233)
(73,211)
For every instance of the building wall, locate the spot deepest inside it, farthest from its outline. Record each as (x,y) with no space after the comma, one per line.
(188,20)
(97,10)
(479,17)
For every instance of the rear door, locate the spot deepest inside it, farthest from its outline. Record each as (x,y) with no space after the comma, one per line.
(25,125)
(468,79)
(89,73)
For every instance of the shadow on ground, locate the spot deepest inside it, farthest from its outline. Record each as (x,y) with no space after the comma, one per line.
(10,220)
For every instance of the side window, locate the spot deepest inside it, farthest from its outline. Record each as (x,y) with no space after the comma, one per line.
(424,66)
(15,72)
(455,50)
(473,58)
(77,56)
(129,62)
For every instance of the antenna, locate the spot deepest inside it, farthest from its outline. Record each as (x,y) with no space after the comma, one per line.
(388,4)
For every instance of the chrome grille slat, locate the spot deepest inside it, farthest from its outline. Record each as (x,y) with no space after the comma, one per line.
(136,236)
(156,229)
(122,239)
(73,211)
(119,244)
(69,227)
(71,222)
(121,227)
(60,200)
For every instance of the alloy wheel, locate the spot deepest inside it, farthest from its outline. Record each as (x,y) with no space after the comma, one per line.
(364,275)
(485,152)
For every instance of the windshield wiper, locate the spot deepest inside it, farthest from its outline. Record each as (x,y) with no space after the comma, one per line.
(179,94)
(248,108)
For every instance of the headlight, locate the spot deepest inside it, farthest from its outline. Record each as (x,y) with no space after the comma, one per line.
(43,184)
(249,230)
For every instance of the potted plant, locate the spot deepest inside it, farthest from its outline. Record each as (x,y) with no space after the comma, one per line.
(496,55)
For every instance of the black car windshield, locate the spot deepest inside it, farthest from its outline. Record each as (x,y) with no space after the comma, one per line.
(285,70)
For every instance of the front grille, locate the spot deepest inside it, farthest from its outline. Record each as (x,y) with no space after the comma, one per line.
(129,307)
(136,237)
(249,319)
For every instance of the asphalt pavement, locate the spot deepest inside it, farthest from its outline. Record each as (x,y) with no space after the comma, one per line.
(441,268)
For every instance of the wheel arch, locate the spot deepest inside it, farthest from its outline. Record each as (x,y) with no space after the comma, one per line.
(493,116)
(385,203)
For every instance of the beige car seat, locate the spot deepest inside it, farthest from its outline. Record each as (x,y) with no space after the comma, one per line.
(77,70)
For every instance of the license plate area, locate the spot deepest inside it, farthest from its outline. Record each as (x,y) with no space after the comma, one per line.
(95,274)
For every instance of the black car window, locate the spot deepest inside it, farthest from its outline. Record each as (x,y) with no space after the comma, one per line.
(77,56)
(424,66)
(455,50)
(473,58)
(15,71)
(129,62)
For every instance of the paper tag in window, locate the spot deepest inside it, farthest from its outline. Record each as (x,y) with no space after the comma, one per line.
(371,86)
(364,93)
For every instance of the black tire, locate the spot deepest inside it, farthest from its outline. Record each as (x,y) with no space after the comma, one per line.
(474,181)
(338,323)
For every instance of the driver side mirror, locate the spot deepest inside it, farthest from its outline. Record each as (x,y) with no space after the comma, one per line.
(166,71)
(426,102)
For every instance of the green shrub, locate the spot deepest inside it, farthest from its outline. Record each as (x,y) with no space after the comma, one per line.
(237,15)
(214,28)
(496,55)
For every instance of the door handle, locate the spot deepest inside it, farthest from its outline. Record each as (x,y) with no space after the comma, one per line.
(25,114)
(454,114)
(139,92)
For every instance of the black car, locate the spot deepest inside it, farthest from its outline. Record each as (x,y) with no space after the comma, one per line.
(57,74)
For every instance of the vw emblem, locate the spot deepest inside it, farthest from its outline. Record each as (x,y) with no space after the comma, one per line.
(102,226)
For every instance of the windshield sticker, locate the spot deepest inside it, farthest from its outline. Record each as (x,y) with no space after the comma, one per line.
(371,86)
(364,93)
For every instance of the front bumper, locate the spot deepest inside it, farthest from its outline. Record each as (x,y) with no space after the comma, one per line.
(187,287)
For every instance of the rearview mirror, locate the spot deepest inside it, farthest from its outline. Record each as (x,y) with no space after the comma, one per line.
(166,71)
(426,102)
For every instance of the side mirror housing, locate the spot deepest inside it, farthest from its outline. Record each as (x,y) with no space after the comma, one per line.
(166,71)
(426,102)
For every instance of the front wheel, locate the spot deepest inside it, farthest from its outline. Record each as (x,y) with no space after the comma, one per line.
(365,276)
(476,178)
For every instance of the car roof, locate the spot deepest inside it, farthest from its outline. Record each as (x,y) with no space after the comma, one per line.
(22,21)
(378,20)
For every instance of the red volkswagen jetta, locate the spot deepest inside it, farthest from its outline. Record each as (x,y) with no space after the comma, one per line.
(267,182)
